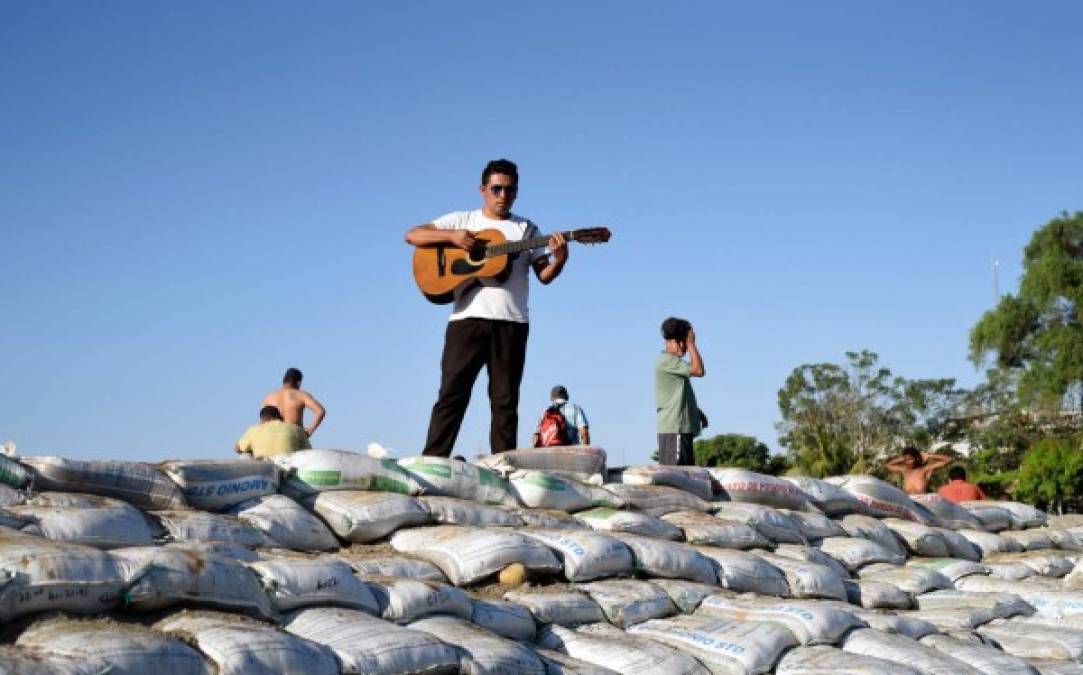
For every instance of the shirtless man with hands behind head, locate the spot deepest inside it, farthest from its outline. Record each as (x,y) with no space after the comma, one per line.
(291,401)
(917,468)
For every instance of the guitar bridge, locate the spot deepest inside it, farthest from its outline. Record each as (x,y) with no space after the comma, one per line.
(441,261)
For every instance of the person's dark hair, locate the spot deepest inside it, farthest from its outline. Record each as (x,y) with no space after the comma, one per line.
(269,412)
(956,473)
(913,452)
(504,166)
(292,377)
(675,329)
(559,392)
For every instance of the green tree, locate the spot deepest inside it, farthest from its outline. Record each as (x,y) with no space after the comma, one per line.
(847,418)
(1052,473)
(1038,333)
(737,450)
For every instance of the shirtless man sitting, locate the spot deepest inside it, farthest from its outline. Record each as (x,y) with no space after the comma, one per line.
(916,468)
(291,400)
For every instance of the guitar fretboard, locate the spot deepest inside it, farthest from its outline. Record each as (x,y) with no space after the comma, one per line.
(521,245)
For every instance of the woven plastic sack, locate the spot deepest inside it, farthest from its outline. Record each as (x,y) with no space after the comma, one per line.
(745,572)
(454,511)
(808,580)
(218,484)
(876,595)
(620,652)
(983,657)
(391,566)
(948,513)
(692,479)
(879,498)
(550,519)
(855,553)
(952,568)
(913,580)
(576,461)
(105,528)
(1030,641)
(824,660)
(701,528)
(12,473)
(668,559)
(468,555)
(405,600)
(724,645)
(309,472)
(538,489)
(1002,605)
(658,500)
(237,645)
(10,497)
(483,651)
(811,554)
(627,602)
(29,661)
(630,522)
(809,622)
(586,554)
(454,478)
(905,624)
(367,516)
(873,529)
(569,608)
(992,518)
(776,525)
(815,526)
(903,650)
(989,543)
(134,482)
(505,618)
(958,545)
(1020,516)
(919,539)
(286,524)
(740,485)
(832,500)
(686,595)
(1036,539)
(371,646)
(200,526)
(562,664)
(292,583)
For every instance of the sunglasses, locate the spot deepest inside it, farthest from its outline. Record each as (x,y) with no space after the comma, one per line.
(498,190)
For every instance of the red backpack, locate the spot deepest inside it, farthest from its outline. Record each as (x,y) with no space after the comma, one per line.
(553,429)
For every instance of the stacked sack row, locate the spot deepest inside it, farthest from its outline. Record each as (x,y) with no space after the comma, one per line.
(331,561)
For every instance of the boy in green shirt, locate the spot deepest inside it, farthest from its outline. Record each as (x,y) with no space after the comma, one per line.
(679,418)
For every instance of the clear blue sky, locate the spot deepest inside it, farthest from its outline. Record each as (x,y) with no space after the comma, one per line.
(194,196)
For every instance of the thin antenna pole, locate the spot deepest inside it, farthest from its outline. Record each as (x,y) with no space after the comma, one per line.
(996,280)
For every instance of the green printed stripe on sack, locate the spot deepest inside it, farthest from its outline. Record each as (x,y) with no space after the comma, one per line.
(384,484)
(313,477)
(438,470)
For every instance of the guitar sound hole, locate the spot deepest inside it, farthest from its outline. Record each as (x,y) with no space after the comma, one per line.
(463,266)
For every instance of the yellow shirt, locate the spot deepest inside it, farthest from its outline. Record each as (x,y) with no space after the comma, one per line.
(276,437)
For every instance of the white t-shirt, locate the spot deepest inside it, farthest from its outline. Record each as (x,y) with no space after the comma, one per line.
(492,299)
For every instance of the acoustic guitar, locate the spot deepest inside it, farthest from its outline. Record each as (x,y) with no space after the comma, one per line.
(442,269)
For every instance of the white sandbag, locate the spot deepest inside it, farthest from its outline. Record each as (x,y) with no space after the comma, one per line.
(1056,667)
(550,519)
(811,554)
(686,595)
(218,484)
(668,559)
(468,555)
(391,566)
(1011,571)
(873,529)
(913,580)
(621,652)
(701,528)
(989,543)
(815,526)
(586,554)
(127,649)
(160,577)
(231,551)
(404,600)
(286,523)
(919,539)
(876,595)
(504,618)
(39,575)
(367,516)
(771,523)
(1002,605)
(879,498)
(957,619)
(27,661)
(629,601)
(809,622)
(10,497)
(745,572)
(1050,564)
(483,651)
(741,485)
(12,473)
(986,659)
(292,583)
(658,500)
(1038,642)
(899,649)
(200,526)
(824,660)
(832,500)
(365,644)
(238,645)
(557,663)
(992,518)
(951,515)
(808,580)
(723,645)
(631,522)
(452,511)
(1047,602)
(308,472)
(854,553)
(134,482)
(905,624)
(105,528)
(1030,540)
(694,479)
(1067,540)
(958,545)
(577,461)
(455,478)
(570,608)
(537,489)
(952,568)
(1020,516)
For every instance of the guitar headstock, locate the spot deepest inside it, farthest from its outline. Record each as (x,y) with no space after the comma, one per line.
(592,235)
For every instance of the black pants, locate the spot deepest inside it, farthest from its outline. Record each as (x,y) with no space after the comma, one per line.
(469,344)
(675,449)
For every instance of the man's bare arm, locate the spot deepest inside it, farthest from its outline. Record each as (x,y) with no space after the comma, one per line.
(584,435)
(896,465)
(698,369)
(934,462)
(429,235)
(318,412)
(548,270)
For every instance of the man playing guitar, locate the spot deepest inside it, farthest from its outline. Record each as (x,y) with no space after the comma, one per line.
(489,324)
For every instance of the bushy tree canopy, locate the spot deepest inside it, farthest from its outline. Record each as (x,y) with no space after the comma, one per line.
(736,450)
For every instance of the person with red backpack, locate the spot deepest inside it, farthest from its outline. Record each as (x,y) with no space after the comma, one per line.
(562,423)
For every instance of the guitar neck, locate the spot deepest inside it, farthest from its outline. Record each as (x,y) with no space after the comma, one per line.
(521,245)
